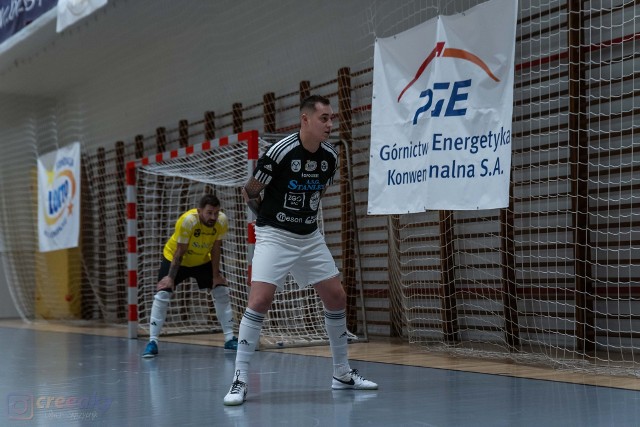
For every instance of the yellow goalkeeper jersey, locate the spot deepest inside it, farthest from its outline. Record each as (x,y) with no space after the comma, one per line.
(199,237)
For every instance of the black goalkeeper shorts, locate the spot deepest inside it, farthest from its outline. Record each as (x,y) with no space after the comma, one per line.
(202,273)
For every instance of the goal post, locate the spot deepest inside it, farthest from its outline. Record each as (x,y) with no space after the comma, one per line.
(173,162)
(159,188)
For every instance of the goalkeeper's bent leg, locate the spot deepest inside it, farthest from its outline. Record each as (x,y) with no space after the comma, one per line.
(158,313)
(222,303)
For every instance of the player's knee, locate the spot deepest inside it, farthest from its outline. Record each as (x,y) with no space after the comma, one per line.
(339,300)
(335,300)
(163,296)
(221,294)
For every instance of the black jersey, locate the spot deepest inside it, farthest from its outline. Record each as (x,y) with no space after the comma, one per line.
(294,179)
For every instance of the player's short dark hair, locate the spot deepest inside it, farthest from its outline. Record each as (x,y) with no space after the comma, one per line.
(209,199)
(309,103)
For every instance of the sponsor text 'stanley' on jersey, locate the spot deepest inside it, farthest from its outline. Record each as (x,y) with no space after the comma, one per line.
(200,238)
(294,179)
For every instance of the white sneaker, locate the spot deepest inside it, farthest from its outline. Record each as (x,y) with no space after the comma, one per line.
(237,393)
(352,380)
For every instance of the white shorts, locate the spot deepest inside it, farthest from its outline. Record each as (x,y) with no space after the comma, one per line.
(279,252)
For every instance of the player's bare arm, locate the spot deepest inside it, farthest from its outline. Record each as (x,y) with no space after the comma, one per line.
(177,260)
(218,278)
(167,281)
(251,193)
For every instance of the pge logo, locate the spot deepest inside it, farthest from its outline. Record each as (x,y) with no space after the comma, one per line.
(451,94)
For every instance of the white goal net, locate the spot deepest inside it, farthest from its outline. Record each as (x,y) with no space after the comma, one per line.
(169,184)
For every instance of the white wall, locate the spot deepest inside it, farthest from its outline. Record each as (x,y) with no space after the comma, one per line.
(136,65)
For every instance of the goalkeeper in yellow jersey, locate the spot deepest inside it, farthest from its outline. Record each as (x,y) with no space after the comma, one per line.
(194,251)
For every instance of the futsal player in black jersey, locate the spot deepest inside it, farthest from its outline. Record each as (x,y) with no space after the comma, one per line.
(294,174)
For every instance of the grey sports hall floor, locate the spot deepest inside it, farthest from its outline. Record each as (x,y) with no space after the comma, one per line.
(74,379)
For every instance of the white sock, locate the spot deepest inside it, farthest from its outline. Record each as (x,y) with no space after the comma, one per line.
(158,314)
(222,302)
(248,337)
(336,324)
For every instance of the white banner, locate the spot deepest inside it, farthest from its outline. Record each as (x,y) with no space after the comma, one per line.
(441,113)
(59,198)
(71,11)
